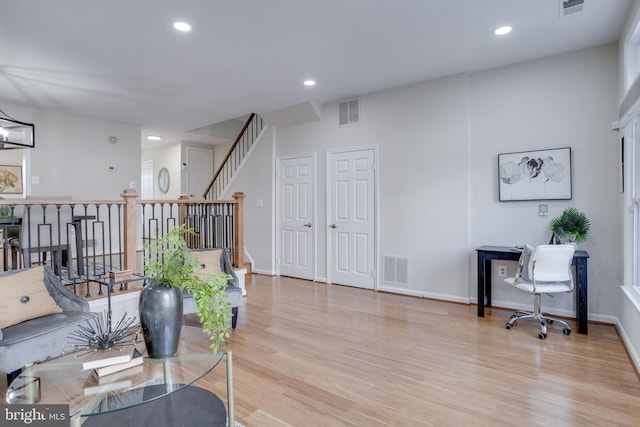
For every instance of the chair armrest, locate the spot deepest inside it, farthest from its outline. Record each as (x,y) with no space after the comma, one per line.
(66,300)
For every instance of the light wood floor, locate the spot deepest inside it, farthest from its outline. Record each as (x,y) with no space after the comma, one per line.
(310,354)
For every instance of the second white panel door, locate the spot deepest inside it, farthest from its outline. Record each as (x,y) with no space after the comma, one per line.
(351,199)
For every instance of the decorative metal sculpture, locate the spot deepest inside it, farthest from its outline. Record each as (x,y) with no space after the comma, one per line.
(98,334)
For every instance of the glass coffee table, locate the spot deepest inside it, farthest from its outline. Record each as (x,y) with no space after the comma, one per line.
(157,387)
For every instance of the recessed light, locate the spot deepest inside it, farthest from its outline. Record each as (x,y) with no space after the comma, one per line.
(502,31)
(309,82)
(182,26)
(154,138)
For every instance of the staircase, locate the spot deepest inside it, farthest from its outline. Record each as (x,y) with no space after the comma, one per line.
(231,164)
(236,155)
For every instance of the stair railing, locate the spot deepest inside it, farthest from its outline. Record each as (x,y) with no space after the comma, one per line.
(234,158)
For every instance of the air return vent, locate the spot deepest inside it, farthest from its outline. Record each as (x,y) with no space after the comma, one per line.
(395,270)
(568,7)
(349,112)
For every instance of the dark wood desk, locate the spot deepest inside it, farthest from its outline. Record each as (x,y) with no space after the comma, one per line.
(488,253)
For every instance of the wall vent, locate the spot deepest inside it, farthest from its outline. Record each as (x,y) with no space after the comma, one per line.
(567,7)
(349,112)
(395,270)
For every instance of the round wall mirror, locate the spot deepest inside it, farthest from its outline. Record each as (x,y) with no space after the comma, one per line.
(163,180)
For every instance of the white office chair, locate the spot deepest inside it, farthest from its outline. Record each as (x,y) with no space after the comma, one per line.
(543,270)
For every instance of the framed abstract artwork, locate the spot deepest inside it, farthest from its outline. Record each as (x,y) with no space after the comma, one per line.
(10,179)
(535,175)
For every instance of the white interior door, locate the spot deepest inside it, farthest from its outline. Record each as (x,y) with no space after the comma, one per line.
(296,208)
(351,217)
(199,171)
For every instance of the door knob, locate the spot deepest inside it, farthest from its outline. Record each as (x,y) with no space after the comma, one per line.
(333,226)
(307,225)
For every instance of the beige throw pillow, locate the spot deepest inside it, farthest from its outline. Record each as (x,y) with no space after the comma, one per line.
(210,263)
(24,296)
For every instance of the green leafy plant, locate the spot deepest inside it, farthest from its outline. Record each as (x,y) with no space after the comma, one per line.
(171,263)
(572,222)
(213,308)
(5,211)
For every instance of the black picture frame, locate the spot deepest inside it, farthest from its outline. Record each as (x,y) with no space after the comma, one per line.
(535,175)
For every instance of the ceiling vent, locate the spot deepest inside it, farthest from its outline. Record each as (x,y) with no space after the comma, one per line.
(567,7)
(349,112)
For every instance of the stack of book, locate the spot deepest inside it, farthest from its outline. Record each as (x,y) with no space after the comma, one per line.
(109,365)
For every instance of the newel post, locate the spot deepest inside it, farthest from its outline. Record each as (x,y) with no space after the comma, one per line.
(238,254)
(130,195)
(183,209)
(192,241)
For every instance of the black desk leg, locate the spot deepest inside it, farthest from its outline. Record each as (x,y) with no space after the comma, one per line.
(484,283)
(481,282)
(487,281)
(581,295)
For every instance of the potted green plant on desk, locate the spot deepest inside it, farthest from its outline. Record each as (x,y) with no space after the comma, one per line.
(571,227)
(172,269)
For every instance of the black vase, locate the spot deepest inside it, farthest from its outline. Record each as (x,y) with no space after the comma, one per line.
(161,319)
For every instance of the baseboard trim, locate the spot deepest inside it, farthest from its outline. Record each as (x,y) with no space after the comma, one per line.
(628,345)
(264,272)
(420,294)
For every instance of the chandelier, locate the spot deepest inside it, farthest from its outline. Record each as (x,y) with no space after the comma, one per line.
(15,134)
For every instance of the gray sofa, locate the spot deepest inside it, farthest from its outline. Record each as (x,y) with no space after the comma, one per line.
(41,338)
(234,293)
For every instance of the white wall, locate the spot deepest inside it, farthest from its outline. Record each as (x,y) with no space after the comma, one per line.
(172,156)
(562,101)
(219,152)
(165,156)
(72,154)
(256,180)
(438,144)
(420,131)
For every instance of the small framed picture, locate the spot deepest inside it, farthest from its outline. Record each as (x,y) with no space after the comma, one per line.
(10,179)
(535,175)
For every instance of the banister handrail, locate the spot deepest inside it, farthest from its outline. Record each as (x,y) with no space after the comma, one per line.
(229,153)
(112,231)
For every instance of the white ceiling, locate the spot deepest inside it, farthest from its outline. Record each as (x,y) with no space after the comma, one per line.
(122,60)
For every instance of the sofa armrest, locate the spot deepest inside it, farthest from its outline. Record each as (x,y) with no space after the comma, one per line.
(227,267)
(66,300)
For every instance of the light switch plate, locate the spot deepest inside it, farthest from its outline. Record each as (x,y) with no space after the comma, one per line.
(543,210)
